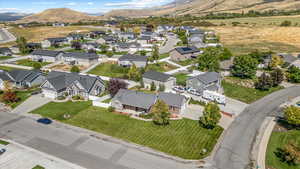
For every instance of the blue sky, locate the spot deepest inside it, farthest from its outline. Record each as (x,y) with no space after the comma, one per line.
(91,6)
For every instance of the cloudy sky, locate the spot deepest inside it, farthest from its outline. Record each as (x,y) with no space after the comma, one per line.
(91,6)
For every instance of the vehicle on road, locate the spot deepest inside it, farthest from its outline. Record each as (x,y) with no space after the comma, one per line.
(2,151)
(44,121)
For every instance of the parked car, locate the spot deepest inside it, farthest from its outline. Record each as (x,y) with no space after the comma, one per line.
(44,121)
(179,89)
(194,92)
(3,150)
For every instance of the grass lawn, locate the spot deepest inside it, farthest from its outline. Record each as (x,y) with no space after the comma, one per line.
(107,100)
(161,67)
(181,79)
(28,62)
(244,94)
(278,140)
(183,138)
(6,68)
(164,55)
(109,70)
(4,142)
(23,95)
(38,167)
(5,57)
(185,62)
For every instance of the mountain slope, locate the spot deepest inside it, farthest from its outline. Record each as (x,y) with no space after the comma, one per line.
(200,7)
(12,16)
(58,15)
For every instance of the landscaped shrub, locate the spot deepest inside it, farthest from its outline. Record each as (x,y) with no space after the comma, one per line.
(77,97)
(111,109)
(146,115)
(10,97)
(61,97)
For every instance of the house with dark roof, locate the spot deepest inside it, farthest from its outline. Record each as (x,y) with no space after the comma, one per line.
(22,78)
(191,32)
(197,41)
(143,40)
(207,81)
(158,79)
(34,46)
(90,45)
(127,36)
(60,41)
(129,60)
(72,84)
(80,58)
(142,102)
(94,34)
(184,53)
(46,55)
(130,47)
(5,51)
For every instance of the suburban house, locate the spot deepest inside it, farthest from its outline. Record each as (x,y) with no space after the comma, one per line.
(184,53)
(197,41)
(34,46)
(158,78)
(46,55)
(129,59)
(55,41)
(110,39)
(94,34)
(126,36)
(4,51)
(21,78)
(288,58)
(75,36)
(194,32)
(90,45)
(57,24)
(72,84)
(80,58)
(142,102)
(164,28)
(143,40)
(131,47)
(207,81)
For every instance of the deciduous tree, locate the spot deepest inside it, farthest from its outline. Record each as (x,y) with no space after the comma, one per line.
(75,69)
(114,85)
(211,116)
(244,66)
(292,115)
(160,112)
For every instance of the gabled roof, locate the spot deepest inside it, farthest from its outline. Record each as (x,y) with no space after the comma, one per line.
(4,76)
(81,55)
(145,38)
(59,39)
(135,98)
(4,50)
(288,57)
(18,75)
(130,57)
(187,50)
(196,31)
(207,77)
(50,53)
(158,76)
(171,99)
(62,80)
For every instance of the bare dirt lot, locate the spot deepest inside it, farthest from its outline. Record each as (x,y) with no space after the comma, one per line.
(66,67)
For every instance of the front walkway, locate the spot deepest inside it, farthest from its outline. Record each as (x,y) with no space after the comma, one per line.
(32,103)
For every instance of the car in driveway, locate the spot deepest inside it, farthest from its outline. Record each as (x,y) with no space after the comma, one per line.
(179,89)
(193,92)
(44,121)
(2,151)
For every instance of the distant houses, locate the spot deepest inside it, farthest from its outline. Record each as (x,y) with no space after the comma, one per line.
(4,51)
(184,53)
(59,41)
(80,58)
(46,55)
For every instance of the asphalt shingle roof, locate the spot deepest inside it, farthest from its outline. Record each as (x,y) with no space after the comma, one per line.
(171,99)
(81,55)
(61,80)
(207,77)
(129,57)
(50,53)
(23,75)
(158,76)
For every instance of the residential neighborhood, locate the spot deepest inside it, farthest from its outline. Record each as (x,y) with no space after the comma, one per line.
(147,92)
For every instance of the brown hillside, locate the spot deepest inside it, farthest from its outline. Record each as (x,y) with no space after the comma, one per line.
(58,15)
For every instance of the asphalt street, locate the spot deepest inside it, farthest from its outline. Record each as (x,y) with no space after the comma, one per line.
(235,148)
(171,42)
(80,148)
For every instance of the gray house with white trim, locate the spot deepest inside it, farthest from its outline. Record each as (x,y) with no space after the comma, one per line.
(72,84)
(206,81)
(46,55)
(80,58)
(158,79)
(128,60)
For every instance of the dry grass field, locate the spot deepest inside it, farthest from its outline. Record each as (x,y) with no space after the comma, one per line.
(65,67)
(37,34)
(243,39)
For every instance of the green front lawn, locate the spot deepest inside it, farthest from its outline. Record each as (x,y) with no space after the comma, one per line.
(278,140)
(183,138)
(164,55)
(185,62)
(30,63)
(75,50)
(38,167)
(5,57)
(109,70)
(22,94)
(4,142)
(181,79)
(6,68)
(161,67)
(244,94)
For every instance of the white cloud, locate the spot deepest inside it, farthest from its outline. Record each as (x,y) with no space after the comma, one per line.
(90,3)
(137,3)
(44,3)
(71,4)
(3,10)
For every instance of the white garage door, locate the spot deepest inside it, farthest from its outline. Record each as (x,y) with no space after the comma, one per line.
(49,94)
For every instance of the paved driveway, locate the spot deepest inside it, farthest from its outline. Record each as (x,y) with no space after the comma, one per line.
(171,42)
(32,103)
(193,112)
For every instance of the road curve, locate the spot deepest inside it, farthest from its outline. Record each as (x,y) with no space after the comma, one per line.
(235,148)
(6,36)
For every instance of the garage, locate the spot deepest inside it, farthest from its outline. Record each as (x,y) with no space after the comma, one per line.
(49,93)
